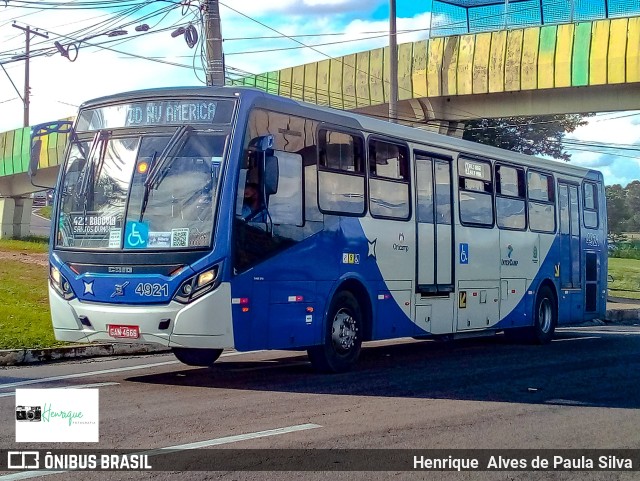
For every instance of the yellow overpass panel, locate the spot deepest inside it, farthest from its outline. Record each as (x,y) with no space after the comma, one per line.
(45,151)
(349,81)
(362,79)
(513,60)
(497,61)
(3,146)
(599,49)
(297,82)
(419,69)
(530,44)
(375,76)
(617,51)
(386,74)
(434,67)
(405,58)
(284,87)
(335,83)
(323,82)
(450,65)
(481,63)
(310,83)
(546,57)
(465,64)
(18,139)
(564,48)
(633,50)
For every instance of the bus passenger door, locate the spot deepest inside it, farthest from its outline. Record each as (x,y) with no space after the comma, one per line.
(434,255)
(570,271)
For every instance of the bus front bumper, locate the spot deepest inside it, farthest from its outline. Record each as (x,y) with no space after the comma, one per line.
(203,323)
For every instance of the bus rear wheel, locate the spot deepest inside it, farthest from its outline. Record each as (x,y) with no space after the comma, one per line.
(196,357)
(343,336)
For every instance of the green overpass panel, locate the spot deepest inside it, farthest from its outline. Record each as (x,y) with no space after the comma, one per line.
(564,49)
(497,61)
(450,65)
(405,60)
(513,60)
(3,145)
(581,48)
(8,153)
(273,79)
(546,57)
(599,49)
(419,75)
(633,50)
(481,63)
(617,51)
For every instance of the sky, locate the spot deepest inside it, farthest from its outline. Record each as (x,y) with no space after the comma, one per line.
(155,58)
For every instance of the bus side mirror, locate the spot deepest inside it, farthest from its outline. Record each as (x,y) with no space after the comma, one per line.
(271,174)
(34,158)
(261,144)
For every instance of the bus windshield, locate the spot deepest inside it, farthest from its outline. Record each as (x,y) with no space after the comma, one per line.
(149,191)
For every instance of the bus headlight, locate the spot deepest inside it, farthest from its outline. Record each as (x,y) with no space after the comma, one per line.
(60,283)
(198,285)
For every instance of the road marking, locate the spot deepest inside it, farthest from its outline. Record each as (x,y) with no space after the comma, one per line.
(107,371)
(577,338)
(620,333)
(183,447)
(568,402)
(85,374)
(79,386)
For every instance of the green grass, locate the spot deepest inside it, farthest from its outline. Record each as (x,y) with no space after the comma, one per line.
(626,278)
(45,212)
(25,321)
(26,244)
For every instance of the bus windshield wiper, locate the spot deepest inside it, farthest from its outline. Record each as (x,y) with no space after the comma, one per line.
(92,167)
(160,164)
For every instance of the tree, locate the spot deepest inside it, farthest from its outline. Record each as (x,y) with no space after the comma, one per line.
(540,135)
(616,209)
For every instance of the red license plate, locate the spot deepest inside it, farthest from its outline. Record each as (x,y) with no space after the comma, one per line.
(125,332)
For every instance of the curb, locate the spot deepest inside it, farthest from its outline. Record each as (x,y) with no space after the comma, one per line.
(15,357)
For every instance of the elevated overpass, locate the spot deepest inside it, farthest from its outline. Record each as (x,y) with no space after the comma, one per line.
(580,67)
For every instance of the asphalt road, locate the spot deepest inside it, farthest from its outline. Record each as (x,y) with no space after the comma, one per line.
(39,225)
(581,391)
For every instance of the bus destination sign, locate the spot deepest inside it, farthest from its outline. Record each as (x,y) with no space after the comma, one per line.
(160,113)
(156,113)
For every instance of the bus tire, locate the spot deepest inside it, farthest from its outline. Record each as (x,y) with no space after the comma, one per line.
(545,317)
(342,337)
(196,357)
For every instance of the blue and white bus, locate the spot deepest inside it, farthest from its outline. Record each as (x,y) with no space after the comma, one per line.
(211,218)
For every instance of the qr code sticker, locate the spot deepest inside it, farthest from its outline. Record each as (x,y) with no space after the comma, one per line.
(180,238)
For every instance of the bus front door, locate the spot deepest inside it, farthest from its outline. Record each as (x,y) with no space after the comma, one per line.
(434,255)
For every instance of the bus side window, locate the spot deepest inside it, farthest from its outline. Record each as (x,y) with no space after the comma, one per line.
(541,202)
(590,211)
(389,180)
(475,192)
(510,198)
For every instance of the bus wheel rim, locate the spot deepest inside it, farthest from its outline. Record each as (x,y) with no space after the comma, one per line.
(344,331)
(545,315)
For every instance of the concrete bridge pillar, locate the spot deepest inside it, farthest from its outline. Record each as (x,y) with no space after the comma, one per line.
(15,217)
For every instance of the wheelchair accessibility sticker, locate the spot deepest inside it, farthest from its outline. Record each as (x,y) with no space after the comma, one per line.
(464,253)
(136,235)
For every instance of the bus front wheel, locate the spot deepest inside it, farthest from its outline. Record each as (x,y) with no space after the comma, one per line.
(342,336)
(197,357)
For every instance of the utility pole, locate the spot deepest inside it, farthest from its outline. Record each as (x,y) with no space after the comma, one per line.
(213,42)
(25,100)
(393,64)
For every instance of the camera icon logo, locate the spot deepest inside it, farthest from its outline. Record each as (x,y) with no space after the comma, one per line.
(28,413)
